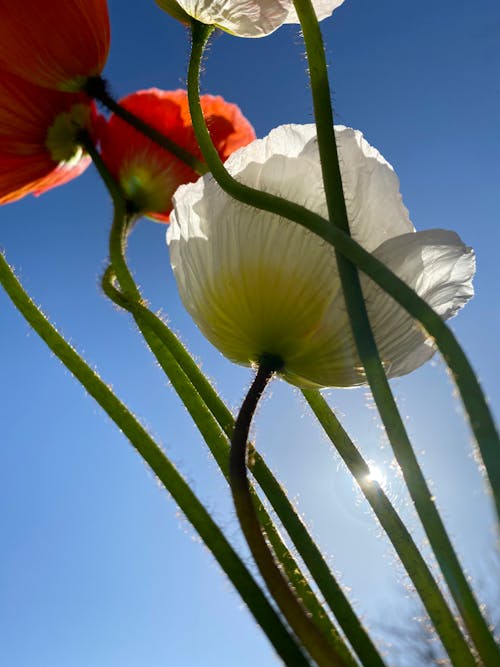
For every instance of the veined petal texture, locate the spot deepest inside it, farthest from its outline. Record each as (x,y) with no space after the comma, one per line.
(149,175)
(257,284)
(323,9)
(244,18)
(56,44)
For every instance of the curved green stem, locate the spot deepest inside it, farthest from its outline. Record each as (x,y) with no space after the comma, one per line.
(367,348)
(340,606)
(200,399)
(479,415)
(480,418)
(173,482)
(401,539)
(305,629)
(97,88)
(173,359)
(195,381)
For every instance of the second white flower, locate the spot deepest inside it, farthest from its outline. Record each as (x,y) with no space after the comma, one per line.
(257,284)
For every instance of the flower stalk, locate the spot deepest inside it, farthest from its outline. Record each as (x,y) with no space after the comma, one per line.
(171,479)
(308,633)
(97,89)
(475,404)
(186,386)
(367,349)
(302,630)
(216,424)
(432,598)
(415,305)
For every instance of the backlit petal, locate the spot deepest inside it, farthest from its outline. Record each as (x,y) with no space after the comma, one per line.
(323,9)
(374,205)
(371,188)
(148,174)
(260,285)
(244,18)
(27,113)
(20,177)
(440,268)
(57,44)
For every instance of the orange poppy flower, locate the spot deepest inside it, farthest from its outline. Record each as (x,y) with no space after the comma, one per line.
(56,44)
(149,175)
(38,137)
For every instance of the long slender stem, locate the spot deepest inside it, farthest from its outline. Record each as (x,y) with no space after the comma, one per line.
(476,406)
(312,639)
(97,88)
(200,399)
(401,539)
(368,352)
(334,596)
(173,482)
(152,329)
(479,415)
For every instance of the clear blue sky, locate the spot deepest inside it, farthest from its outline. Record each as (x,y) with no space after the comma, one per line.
(97,568)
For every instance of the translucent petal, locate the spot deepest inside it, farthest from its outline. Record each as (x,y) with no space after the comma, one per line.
(439,267)
(375,208)
(55,44)
(257,284)
(244,18)
(148,174)
(249,292)
(323,9)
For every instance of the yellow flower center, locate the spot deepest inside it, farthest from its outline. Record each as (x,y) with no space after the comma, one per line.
(148,186)
(62,136)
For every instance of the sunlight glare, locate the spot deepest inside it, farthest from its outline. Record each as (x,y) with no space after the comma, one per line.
(375,475)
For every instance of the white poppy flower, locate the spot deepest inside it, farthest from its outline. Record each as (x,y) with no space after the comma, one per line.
(257,284)
(244,18)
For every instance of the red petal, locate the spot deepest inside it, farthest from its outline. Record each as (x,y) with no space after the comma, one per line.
(53,43)
(27,111)
(21,176)
(125,150)
(228,127)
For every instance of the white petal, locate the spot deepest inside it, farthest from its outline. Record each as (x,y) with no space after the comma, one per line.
(323,9)
(374,205)
(371,188)
(439,267)
(254,283)
(257,284)
(245,18)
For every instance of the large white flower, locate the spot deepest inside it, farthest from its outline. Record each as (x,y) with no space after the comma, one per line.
(244,18)
(257,284)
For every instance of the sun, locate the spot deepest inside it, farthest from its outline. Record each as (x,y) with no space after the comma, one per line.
(375,475)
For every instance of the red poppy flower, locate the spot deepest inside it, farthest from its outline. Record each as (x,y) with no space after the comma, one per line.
(149,175)
(56,44)
(38,137)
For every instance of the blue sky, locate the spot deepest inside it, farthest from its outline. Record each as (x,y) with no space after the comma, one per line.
(97,568)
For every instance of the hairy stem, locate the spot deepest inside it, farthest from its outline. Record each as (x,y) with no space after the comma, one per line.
(98,89)
(368,352)
(171,479)
(308,633)
(185,386)
(432,598)
(161,342)
(476,406)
